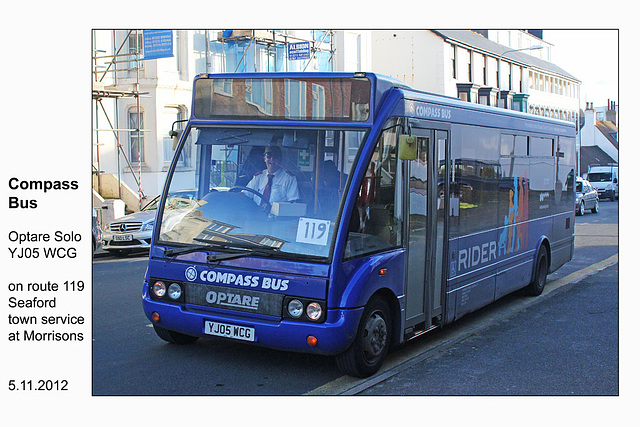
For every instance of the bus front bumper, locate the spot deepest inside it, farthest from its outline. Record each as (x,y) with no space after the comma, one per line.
(334,335)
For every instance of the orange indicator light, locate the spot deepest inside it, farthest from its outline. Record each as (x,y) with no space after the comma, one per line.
(155,317)
(382,271)
(312,341)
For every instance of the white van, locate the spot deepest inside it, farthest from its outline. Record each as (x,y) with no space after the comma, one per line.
(605,180)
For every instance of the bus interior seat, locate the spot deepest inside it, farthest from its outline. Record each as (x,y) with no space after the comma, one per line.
(254,163)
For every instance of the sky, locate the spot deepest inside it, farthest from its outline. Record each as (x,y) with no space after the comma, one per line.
(592,57)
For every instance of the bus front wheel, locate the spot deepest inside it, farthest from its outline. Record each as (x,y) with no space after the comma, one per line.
(372,342)
(173,337)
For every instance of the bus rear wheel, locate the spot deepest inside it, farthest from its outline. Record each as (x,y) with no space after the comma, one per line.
(173,337)
(536,287)
(372,342)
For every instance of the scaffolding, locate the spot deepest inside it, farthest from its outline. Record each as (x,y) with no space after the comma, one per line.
(105,65)
(271,39)
(116,76)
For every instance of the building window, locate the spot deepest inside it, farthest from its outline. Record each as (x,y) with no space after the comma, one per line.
(135,50)
(470,66)
(258,92)
(223,87)
(454,72)
(484,70)
(318,101)
(177,51)
(135,120)
(468,92)
(540,83)
(531,79)
(177,113)
(295,103)
(352,50)
(181,58)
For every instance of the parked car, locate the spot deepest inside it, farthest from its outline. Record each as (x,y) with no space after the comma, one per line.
(586,197)
(95,231)
(133,232)
(605,180)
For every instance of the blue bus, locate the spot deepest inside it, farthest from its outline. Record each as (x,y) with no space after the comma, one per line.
(343,214)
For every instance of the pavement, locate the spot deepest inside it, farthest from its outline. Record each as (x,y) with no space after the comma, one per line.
(567,345)
(415,368)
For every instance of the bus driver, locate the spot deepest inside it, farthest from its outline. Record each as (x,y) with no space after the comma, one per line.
(274,183)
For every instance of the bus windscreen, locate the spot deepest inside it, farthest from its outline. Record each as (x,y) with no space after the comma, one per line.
(326,99)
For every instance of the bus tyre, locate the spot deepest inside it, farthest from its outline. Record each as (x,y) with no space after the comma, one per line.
(536,287)
(372,342)
(173,337)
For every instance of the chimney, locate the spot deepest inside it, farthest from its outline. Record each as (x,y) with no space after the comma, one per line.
(589,116)
(610,114)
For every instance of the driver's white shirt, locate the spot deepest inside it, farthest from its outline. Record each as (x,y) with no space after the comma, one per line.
(284,187)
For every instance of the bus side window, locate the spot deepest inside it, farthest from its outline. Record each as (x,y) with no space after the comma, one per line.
(373,225)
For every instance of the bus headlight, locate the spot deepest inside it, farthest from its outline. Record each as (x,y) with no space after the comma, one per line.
(295,308)
(174,291)
(304,309)
(314,311)
(159,289)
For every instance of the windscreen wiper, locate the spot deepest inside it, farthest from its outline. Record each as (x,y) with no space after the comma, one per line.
(234,251)
(210,246)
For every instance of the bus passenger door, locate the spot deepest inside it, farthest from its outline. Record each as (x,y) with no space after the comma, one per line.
(425,205)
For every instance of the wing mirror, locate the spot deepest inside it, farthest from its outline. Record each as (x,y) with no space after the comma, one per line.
(407,147)
(176,134)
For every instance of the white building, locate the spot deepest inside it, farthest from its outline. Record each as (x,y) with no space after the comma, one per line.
(476,65)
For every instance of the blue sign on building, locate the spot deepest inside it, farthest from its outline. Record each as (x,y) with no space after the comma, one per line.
(299,50)
(157,43)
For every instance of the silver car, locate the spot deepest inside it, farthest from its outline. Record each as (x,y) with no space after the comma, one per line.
(586,197)
(96,237)
(131,232)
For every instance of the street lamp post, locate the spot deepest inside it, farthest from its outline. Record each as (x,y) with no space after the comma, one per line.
(535,47)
